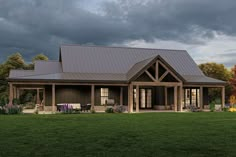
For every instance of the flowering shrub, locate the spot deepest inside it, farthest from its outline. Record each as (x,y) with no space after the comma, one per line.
(109,110)
(119,108)
(11,109)
(66,109)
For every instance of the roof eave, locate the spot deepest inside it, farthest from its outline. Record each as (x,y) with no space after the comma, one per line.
(67,81)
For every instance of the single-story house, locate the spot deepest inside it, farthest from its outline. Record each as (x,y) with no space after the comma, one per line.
(139,78)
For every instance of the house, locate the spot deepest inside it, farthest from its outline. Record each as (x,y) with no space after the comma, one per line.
(138,78)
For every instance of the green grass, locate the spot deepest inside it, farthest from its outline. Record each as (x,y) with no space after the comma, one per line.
(113,135)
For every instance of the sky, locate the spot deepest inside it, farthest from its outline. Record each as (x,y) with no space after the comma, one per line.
(205,28)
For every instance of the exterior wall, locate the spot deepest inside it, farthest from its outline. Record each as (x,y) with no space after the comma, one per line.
(48,95)
(68,94)
(82,94)
(170,99)
(73,94)
(125,96)
(205,97)
(159,96)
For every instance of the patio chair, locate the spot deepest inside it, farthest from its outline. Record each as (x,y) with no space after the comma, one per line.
(85,107)
(193,108)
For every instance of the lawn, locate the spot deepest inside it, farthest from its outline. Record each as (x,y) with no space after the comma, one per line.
(113,135)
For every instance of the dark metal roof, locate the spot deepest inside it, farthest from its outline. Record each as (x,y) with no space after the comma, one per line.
(95,59)
(20,73)
(202,79)
(94,63)
(77,77)
(47,67)
(40,67)
(138,66)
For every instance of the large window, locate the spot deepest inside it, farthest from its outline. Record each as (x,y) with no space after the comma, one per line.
(146,98)
(104,95)
(191,96)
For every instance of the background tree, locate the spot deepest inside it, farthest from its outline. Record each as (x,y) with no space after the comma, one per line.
(218,71)
(15,61)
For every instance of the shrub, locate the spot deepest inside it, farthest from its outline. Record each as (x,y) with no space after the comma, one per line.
(2,110)
(119,108)
(13,109)
(225,109)
(68,109)
(212,107)
(3,101)
(92,111)
(15,101)
(109,110)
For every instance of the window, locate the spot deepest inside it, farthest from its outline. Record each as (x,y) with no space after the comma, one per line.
(104,95)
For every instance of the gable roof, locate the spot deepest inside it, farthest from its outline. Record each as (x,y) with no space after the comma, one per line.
(96,63)
(97,59)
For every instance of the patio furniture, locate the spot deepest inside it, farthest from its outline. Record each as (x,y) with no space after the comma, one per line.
(193,108)
(85,107)
(110,102)
(75,106)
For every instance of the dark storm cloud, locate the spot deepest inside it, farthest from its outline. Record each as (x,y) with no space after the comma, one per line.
(33,26)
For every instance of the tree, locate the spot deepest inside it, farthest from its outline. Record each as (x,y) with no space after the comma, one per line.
(39,57)
(15,61)
(218,71)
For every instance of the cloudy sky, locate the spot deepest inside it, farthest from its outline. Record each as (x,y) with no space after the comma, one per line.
(205,28)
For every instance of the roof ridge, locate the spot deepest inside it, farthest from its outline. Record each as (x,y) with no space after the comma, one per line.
(47,61)
(21,70)
(123,47)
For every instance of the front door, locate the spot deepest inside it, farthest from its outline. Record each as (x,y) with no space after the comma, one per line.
(145,98)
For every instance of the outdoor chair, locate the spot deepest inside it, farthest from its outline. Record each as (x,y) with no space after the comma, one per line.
(193,108)
(85,107)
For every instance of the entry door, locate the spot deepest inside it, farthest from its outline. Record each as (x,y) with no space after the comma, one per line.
(145,98)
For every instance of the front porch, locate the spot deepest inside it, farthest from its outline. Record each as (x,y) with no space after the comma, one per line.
(157,96)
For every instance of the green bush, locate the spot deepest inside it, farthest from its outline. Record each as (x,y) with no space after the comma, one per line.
(2,110)
(109,110)
(225,109)
(212,107)
(13,109)
(3,101)
(92,111)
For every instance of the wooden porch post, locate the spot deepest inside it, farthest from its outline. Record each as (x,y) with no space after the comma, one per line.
(121,95)
(180,98)
(38,99)
(166,95)
(44,97)
(137,98)
(130,98)
(92,96)
(223,97)
(14,92)
(175,98)
(201,97)
(10,93)
(53,98)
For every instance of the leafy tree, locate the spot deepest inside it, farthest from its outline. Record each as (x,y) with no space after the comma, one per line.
(15,61)
(217,71)
(40,57)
